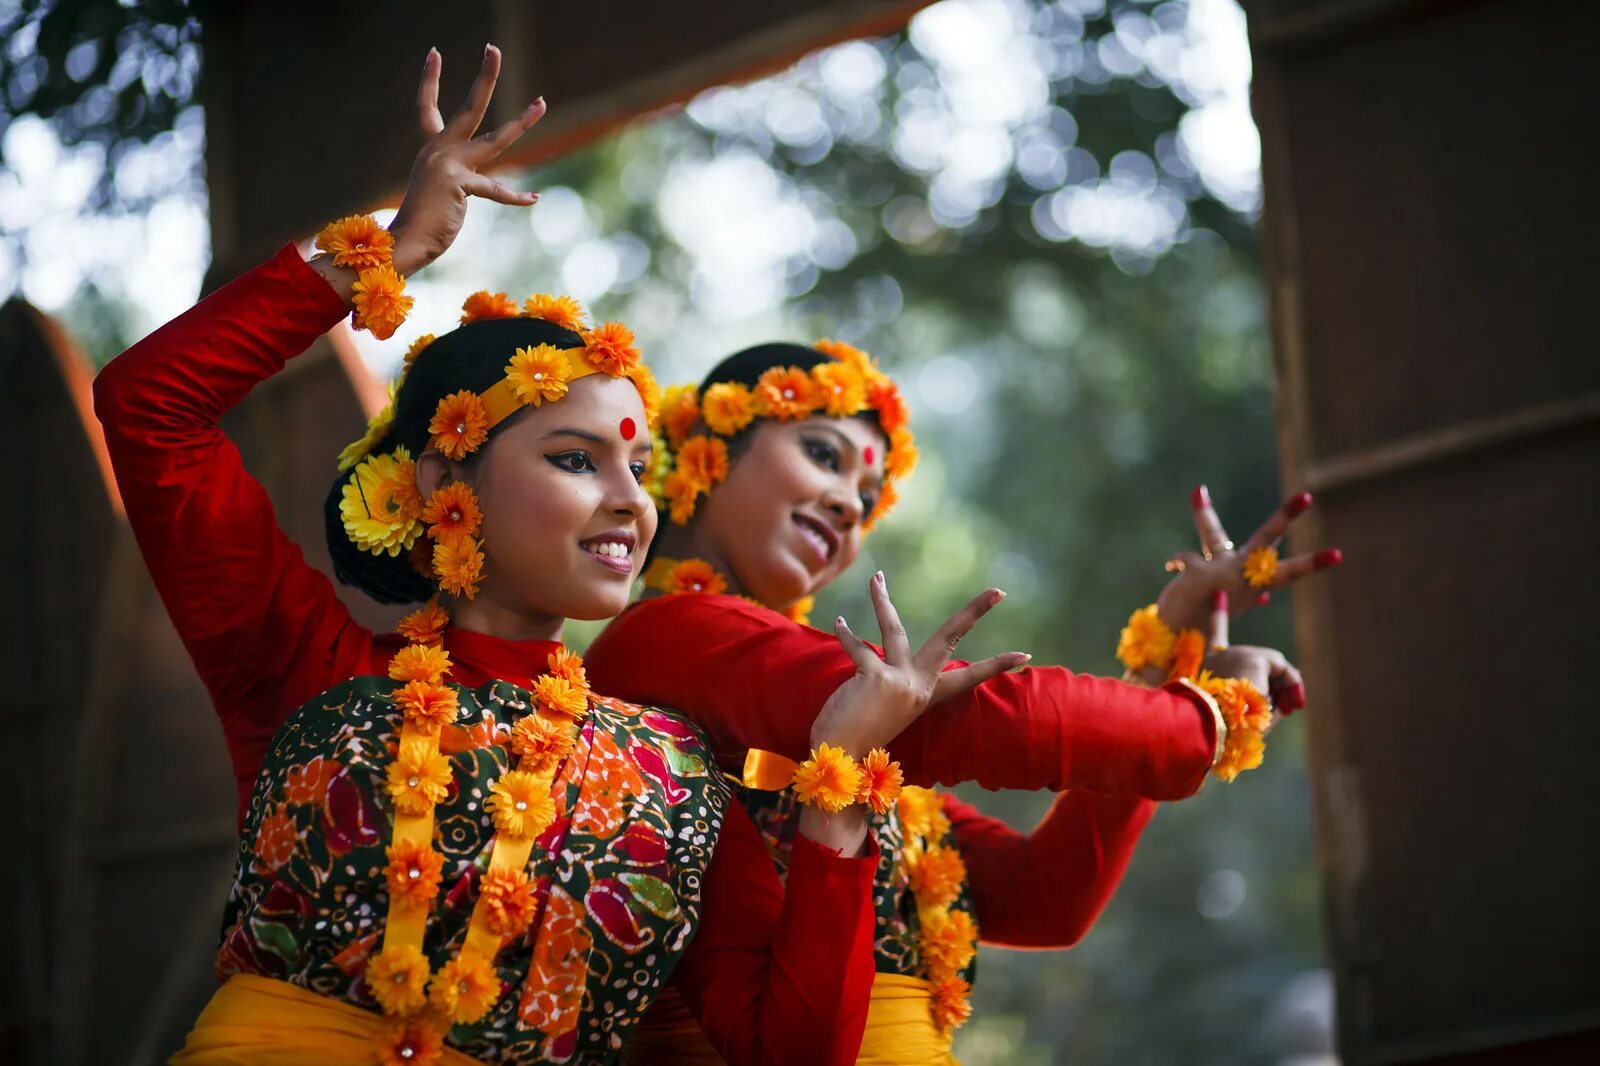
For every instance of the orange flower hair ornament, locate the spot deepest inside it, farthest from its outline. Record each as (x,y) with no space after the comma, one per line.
(849,384)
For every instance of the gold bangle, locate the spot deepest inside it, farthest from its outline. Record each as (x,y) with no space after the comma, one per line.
(1216,715)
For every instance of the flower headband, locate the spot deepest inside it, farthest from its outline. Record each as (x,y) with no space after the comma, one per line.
(380,506)
(849,384)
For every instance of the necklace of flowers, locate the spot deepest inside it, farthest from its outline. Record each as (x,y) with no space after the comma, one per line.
(1243,714)
(380,507)
(947,938)
(378,297)
(698,577)
(692,463)
(420,1005)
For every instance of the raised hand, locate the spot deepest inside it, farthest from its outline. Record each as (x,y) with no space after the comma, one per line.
(1265,668)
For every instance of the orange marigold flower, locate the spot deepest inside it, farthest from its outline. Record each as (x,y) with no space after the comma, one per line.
(1261,567)
(728,407)
(1188,652)
(610,348)
(484,304)
(557,695)
(419,777)
(680,490)
(419,662)
(465,988)
(421,558)
(275,839)
(459,425)
(902,457)
(357,242)
(704,460)
(951,1007)
(884,397)
(888,496)
(425,625)
(561,311)
(458,564)
(380,506)
(540,743)
(680,410)
(1245,750)
(507,901)
(414,872)
(696,575)
(936,876)
(917,807)
(949,940)
(880,781)
(452,511)
(380,301)
(568,664)
(1146,640)
(417,346)
(828,780)
(427,705)
(852,356)
(398,978)
(786,392)
(841,388)
(538,374)
(521,804)
(799,611)
(409,1042)
(644,382)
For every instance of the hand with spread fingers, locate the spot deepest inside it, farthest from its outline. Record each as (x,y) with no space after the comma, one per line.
(1265,668)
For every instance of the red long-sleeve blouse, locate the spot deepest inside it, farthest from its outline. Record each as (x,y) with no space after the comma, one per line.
(772,976)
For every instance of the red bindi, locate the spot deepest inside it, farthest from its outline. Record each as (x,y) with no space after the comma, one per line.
(867,454)
(628,429)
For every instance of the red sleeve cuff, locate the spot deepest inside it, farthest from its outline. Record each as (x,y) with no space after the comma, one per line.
(815,864)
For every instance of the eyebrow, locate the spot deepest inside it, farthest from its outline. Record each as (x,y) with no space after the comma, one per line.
(845,439)
(645,444)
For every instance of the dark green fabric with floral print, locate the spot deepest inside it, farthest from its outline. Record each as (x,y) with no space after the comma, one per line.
(618,875)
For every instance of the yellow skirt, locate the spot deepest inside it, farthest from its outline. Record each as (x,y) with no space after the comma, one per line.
(256,1021)
(900,1030)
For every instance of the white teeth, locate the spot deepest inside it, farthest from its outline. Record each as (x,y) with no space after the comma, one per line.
(615,549)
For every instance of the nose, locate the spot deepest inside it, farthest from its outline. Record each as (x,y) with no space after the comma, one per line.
(843,502)
(626,498)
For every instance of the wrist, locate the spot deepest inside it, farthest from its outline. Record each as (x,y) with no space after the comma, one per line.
(409,255)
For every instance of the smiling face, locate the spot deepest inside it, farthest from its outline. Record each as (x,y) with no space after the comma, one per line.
(565,521)
(787,521)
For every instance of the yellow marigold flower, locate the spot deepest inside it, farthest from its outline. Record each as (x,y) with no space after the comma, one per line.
(419,662)
(888,496)
(1146,640)
(540,743)
(799,611)
(377,428)
(380,301)
(880,781)
(398,978)
(609,347)
(506,897)
(409,1042)
(680,410)
(649,392)
(841,387)
(917,806)
(852,356)
(951,1006)
(728,407)
(425,625)
(704,460)
(459,425)
(695,576)
(380,505)
(828,780)
(680,490)
(1188,652)
(1261,567)
(483,305)
(1244,750)
(464,989)
(538,374)
(902,457)
(427,705)
(357,242)
(417,346)
(557,695)
(568,664)
(949,940)
(786,393)
(419,777)
(561,311)
(413,873)
(458,564)
(936,876)
(884,397)
(521,804)
(452,511)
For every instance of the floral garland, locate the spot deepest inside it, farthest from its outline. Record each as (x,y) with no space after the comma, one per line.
(378,295)
(1243,713)
(422,1004)
(830,780)
(380,507)
(948,937)
(696,576)
(848,385)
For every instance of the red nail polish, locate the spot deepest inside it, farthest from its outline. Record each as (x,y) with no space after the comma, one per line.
(1292,699)
(1219,600)
(1263,599)
(1199,497)
(1296,505)
(1327,557)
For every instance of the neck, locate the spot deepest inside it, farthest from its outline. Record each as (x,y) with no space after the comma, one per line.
(680,542)
(488,616)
